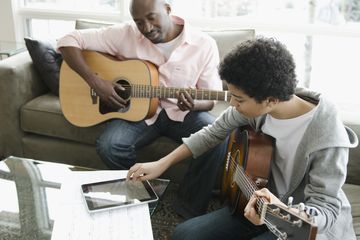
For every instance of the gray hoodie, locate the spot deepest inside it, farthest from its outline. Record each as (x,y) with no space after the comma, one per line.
(320,162)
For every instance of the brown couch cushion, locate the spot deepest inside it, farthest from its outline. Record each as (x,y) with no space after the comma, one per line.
(43,116)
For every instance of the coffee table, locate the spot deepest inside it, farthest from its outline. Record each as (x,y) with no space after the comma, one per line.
(29,197)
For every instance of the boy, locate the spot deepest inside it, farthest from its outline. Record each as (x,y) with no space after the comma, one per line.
(311,150)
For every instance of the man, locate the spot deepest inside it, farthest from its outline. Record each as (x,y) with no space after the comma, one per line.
(311,147)
(185,58)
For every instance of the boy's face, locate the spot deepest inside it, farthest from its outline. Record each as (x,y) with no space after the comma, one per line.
(246,105)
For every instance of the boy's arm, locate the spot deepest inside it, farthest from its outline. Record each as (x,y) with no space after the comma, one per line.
(151,170)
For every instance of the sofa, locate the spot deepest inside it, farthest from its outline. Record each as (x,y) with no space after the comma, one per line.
(33,126)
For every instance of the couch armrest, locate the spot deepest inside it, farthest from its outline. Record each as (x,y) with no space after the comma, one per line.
(19,83)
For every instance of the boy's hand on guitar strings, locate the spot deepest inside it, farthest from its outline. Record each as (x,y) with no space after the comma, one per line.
(250,211)
(185,101)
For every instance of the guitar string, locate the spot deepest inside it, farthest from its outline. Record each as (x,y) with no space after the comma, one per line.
(136,90)
(271,226)
(167,88)
(248,184)
(250,187)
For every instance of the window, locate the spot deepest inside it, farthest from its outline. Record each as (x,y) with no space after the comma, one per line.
(48,28)
(323,36)
(51,19)
(70,5)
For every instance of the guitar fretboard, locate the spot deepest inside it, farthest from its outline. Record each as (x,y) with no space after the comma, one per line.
(147,91)
(247,187)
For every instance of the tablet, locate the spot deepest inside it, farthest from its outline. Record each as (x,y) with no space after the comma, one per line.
(117,193)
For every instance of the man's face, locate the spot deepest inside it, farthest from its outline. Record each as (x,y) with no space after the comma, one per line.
(152,19)
(246,105)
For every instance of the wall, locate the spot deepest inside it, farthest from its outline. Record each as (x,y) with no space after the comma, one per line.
(8,31)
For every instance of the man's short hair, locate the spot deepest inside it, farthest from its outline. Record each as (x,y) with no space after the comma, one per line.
(262,68)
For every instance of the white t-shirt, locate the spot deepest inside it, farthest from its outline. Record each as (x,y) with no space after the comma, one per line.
(288,134)
(168,47)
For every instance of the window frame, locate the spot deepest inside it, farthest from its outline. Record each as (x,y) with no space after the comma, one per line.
(24,15)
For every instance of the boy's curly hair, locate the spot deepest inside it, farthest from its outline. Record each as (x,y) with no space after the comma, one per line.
(261,68)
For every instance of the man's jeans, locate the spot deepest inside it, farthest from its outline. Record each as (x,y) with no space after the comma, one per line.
(121,139)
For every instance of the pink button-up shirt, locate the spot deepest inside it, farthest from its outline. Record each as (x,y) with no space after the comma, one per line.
(193,64)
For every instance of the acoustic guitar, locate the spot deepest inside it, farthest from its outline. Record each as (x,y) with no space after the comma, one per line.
(82,107)
(247,169)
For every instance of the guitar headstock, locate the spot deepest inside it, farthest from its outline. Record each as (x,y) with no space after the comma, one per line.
(287,224)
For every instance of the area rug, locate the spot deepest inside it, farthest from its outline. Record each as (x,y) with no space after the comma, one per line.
(164,219)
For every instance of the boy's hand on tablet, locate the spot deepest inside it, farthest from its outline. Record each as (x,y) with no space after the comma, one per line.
(145,171)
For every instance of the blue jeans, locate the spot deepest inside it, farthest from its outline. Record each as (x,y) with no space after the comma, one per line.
(220,224)
(121,139)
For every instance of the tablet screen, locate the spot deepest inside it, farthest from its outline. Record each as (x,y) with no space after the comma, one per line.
(117,193)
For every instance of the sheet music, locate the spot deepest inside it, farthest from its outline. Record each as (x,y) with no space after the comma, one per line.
(73,221)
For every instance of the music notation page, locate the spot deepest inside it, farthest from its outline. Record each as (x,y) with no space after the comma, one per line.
(73,221)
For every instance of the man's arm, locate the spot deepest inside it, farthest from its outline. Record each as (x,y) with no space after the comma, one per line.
(105,89)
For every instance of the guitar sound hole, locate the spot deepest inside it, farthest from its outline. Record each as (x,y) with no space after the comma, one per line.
(125,94)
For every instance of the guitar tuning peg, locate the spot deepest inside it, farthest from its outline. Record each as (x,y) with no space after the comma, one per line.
(312,213)
(290,202)
(276,210)
(301,207)
(297,223)
(287,217)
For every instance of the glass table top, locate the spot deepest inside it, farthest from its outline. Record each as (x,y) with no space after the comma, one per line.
(29,193)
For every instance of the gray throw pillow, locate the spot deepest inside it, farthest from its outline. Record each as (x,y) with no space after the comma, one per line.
(46,61)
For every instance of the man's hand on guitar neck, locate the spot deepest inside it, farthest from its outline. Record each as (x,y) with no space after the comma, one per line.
(187,103)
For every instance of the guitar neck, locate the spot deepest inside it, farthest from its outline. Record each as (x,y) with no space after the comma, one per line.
(247,186)
(147,91)
(300,228)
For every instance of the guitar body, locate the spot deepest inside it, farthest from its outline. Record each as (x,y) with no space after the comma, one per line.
(82,107)
(247,169)
(253,152)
